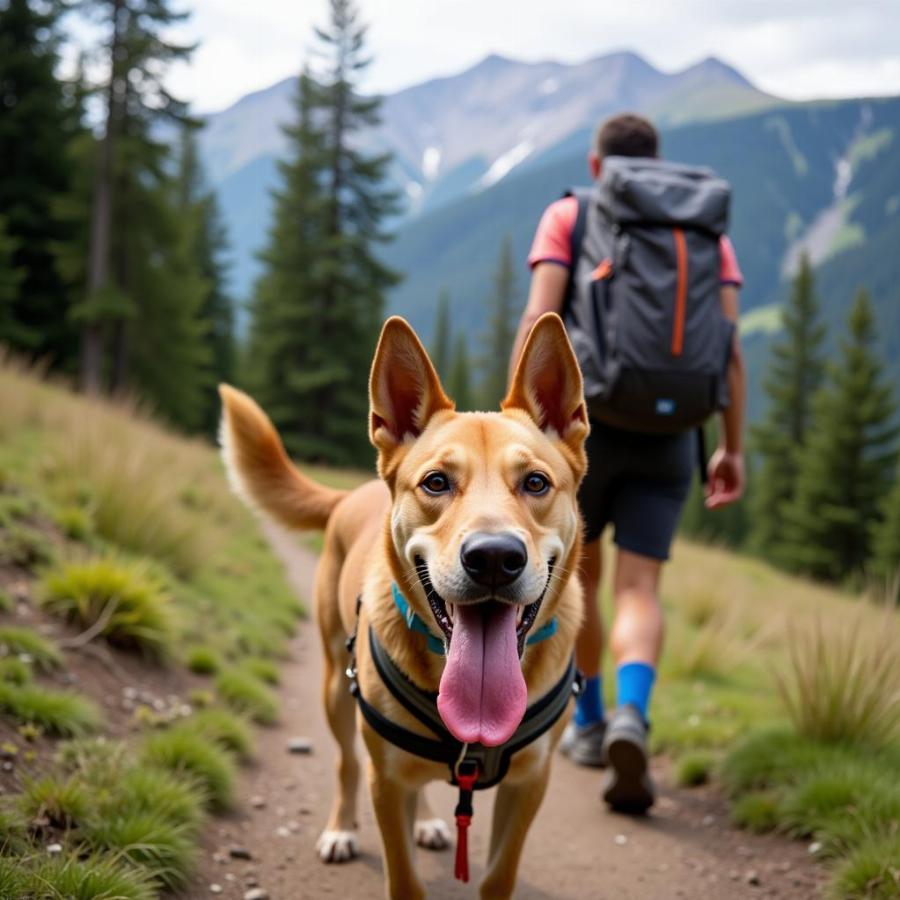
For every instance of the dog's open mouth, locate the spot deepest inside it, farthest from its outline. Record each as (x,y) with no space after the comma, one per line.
(445,614)
(483,695)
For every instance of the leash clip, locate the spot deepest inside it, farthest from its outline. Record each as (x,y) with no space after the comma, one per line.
(466,772)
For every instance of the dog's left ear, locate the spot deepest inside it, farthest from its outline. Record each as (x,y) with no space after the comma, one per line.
(547,383)
(404,389)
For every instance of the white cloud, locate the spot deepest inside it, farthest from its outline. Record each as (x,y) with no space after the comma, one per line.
(801,49)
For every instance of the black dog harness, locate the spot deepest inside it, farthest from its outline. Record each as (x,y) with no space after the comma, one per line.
(472,766)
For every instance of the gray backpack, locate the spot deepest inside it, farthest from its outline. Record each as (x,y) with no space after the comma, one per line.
(643,309)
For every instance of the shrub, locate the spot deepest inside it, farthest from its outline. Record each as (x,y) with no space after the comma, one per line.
(693,769)
(757,811)
(263,669)
(203,660)
(843,682)
(18,641)
(183,750)
(246,694)
(54,802)
(226,729)
(147,840)
(60,713)
(870,871)
(23,546)
(134,603)
(95,878)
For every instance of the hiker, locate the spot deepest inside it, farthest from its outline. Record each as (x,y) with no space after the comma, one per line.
(642,252)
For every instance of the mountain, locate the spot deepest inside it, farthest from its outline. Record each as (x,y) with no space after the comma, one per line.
(460,135)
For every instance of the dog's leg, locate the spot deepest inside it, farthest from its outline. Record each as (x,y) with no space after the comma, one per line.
(338,842)
(430,832)
(514,810)
(395,809)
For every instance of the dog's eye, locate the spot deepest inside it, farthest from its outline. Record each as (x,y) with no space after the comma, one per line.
(435,483)
(535,483)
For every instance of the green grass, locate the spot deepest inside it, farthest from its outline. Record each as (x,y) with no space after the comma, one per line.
(14,671)
(23,641)
(134,605)
(263,669)
(74,522)
(59,713)
(6,601)
(94,878)
(871,871)
(186,752)
(694,769)
(13,838)
(24,546)
(146,840)
(246,694)
(225,728)
(203,660)
(757,811)
(54,802)
(162,793)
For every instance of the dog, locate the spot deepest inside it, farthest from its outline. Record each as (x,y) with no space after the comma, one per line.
(474,526)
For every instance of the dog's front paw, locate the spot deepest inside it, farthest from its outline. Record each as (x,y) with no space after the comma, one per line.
(337,846)
(433,834)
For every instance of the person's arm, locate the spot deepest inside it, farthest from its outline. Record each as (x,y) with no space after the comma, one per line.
(546,294)
(726,467)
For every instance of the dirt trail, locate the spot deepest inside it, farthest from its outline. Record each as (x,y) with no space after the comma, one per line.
(575,851)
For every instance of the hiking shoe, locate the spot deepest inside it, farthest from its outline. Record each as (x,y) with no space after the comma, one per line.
(583,744)
(628,787)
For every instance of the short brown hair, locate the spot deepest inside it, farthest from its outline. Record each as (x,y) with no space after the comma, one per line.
(626,135)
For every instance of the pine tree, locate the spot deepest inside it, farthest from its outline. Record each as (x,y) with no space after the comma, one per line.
(886,541)
(317,308)
(458,384)
(847,462)
(793,376)
(10,281)
(208,248)
(441,340)
(498,340)
(137,55)
(37,125)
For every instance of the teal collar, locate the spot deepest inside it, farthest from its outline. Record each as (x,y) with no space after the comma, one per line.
(435,644)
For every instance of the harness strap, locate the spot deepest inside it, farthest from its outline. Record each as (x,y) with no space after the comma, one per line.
(493,762)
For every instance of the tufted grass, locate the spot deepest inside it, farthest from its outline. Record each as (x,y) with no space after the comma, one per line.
(188,753)
(42,652)
(202,659)
(55,802)
(132,602)
(59,713)
(248,695)
(225,728)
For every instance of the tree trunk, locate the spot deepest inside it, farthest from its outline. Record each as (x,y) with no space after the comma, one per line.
(99,253)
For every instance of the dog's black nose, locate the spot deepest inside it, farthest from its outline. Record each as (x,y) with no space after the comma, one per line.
(493,560)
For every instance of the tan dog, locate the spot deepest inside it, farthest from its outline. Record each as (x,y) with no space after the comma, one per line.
(475,520)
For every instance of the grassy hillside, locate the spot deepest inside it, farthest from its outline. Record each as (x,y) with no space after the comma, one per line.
(142,617)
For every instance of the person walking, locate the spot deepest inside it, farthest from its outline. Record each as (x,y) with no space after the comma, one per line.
(648,285)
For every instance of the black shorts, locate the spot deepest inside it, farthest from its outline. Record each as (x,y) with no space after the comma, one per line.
(639,482)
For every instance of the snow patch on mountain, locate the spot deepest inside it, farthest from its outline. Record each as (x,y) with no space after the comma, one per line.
(505,163)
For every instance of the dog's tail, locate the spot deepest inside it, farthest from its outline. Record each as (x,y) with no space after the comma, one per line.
(260,471)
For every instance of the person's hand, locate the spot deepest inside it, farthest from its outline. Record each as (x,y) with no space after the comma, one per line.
(725,482)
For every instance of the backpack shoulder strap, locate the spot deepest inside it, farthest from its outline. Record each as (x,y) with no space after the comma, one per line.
(581,195)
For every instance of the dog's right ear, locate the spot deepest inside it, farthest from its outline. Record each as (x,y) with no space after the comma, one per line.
(404,389)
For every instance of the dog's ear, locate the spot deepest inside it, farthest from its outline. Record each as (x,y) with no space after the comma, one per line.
(404,390)
(547,383)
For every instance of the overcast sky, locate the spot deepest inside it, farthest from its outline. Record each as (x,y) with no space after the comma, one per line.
(793,48)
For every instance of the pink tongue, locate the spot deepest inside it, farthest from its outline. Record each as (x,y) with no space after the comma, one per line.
(482,695)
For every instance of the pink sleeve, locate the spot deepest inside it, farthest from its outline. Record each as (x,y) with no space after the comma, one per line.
(552,240)
(730,272)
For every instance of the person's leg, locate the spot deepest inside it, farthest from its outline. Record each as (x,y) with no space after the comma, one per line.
(589,644)
(638,627)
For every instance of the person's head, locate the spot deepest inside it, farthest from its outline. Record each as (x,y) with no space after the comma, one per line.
(622,135)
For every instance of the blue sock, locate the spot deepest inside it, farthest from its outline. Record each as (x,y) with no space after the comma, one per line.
(634,681)
(589,703)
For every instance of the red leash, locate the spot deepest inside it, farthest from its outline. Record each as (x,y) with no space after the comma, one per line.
(466,776)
